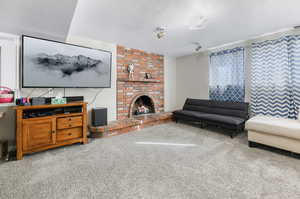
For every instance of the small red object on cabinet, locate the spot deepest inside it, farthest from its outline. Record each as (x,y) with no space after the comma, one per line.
(6,95)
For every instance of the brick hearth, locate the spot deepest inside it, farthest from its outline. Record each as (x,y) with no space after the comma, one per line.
(129,90)
(130,124)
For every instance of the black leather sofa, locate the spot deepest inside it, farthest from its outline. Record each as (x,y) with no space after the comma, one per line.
(228,115)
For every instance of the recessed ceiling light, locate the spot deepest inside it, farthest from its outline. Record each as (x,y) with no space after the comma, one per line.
(197,23)
(160,32)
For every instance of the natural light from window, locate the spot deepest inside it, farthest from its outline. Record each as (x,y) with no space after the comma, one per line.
(166,144)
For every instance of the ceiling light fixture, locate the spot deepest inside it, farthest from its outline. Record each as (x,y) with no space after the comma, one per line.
(297,27)
(197,23)
(198,46)
(160,32)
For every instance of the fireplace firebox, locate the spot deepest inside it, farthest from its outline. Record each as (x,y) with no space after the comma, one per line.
(143,105)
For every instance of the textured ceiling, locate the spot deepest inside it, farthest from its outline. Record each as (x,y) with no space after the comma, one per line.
(131,22)
(45,18)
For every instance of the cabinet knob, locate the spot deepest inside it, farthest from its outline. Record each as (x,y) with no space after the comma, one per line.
(53,131)
(69,134)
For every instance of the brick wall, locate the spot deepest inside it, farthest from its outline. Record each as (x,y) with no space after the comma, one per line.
(128,90)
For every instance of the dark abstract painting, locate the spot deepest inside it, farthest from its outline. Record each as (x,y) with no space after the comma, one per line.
(67,65)
(53,64)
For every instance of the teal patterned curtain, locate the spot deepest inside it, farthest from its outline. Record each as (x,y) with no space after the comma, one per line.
(275,82)
(227,75)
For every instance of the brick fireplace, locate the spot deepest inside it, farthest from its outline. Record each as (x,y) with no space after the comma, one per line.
(137,93)
(133,92)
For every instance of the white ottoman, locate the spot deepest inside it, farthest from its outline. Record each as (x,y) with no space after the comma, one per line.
(276,132)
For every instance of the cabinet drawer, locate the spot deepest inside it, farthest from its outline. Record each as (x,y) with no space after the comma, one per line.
(68,134)
(69,122)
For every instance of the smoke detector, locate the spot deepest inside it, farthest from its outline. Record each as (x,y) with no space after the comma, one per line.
(160,32)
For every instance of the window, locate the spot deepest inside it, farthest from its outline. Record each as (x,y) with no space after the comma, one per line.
(227,75)
(275,80)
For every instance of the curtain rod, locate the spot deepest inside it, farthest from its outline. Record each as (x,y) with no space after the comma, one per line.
(248,42)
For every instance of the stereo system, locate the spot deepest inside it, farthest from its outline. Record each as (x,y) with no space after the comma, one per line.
(33,113)
(38,101)
(45,100)
(74,99)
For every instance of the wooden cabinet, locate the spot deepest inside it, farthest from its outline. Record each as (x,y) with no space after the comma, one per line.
(44,132)
(38,133)
(69,122)
(68,134)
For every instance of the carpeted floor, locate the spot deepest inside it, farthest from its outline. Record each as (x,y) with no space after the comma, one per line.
(166,161)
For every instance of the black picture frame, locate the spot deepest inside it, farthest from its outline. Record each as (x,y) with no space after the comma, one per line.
(22,63)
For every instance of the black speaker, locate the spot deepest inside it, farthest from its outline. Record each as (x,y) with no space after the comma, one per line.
(74,99)
(99,116)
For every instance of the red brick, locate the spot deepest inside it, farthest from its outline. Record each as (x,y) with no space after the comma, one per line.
(127,91)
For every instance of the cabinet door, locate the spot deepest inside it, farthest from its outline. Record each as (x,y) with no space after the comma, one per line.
(38,133)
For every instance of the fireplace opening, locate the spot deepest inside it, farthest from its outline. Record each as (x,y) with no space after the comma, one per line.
(143,105)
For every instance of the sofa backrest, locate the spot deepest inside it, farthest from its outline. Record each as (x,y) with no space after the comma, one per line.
(236,109)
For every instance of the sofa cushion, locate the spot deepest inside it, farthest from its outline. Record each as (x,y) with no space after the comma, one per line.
(211,117)
(224,119)
(275,126)
(195,114)
(235,109)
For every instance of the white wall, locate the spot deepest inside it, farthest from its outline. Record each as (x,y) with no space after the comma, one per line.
(96,97)
(7,124)
(9,51)
(192,75)
(170,83)
(105,97)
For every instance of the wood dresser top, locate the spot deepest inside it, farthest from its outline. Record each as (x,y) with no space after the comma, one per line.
(50,106)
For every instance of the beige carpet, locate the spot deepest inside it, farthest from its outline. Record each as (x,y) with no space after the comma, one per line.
(166,161)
